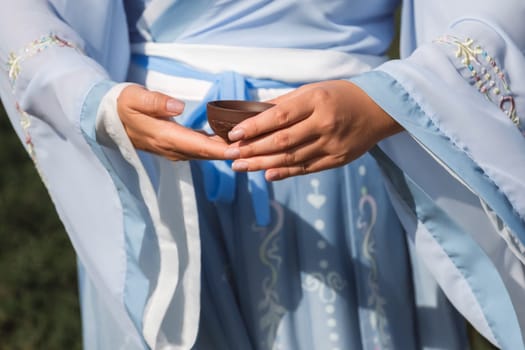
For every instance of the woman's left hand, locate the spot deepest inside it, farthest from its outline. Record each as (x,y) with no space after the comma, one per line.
(316,127)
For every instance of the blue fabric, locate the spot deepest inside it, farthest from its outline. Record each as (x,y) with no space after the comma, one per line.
(396,101)
(349,26)
(332,243)
(164,27)
(137,221)
(330,272)
(334,254)
(469,258)
(219,178)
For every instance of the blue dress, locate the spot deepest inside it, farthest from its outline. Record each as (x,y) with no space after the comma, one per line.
(350,258)
(332,269)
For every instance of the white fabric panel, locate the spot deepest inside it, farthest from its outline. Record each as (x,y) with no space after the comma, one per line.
(174,215)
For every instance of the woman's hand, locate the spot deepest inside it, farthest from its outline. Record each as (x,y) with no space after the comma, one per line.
(316,127)
(146,119)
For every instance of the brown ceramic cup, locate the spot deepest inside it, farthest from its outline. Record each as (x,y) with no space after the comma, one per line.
(224,115)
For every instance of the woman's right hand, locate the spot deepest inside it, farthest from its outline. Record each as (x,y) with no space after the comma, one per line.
(146,118)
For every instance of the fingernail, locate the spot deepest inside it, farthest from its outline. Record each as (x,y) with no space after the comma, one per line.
(236,134)
(240,165)
(232,153)
(174,106)
(272,175)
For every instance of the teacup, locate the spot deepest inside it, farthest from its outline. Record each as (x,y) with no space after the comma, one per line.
(223,115)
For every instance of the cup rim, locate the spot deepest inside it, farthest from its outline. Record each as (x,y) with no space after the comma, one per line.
(220,104)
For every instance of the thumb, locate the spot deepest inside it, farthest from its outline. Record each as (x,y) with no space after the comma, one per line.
(151,103)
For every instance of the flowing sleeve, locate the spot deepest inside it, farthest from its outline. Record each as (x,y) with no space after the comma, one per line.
(137,242)
(61,59)
(457,175)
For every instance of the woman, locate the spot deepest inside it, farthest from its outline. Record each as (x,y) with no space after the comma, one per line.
(320,263)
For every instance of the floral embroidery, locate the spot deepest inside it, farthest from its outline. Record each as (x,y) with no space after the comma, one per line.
(14,62)
(485,74)
(25,122)
(365,223)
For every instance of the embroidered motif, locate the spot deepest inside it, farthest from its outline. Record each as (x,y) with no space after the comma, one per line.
(316,199)
(365,223)
(25,122)
(485,74)
(325,285)
(14,61)
(270,305)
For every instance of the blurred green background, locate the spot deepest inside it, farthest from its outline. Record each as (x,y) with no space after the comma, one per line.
(38,287)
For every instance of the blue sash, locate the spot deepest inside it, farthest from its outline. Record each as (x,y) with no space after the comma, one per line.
(219,178)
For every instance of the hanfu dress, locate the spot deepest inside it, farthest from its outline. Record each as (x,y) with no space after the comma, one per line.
(190,255)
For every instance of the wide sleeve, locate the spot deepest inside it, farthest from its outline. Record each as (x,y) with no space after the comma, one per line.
(457,175)
(137,242)
(55,70)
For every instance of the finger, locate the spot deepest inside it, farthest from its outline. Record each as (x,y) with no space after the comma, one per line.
(294,157)
(149,144)
(172,140)
(190,143)
(277,117)
(319,164)
(279,141)
(152,103)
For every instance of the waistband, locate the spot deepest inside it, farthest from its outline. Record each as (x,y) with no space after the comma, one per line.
(291,66)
